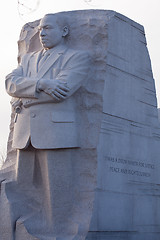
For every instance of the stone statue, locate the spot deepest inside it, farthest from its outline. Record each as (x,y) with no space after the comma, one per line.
(46,77)
(83,150)
(46,138)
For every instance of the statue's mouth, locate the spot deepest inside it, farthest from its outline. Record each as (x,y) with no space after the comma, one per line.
(44,40)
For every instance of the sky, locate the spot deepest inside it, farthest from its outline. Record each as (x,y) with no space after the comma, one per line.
(145,12)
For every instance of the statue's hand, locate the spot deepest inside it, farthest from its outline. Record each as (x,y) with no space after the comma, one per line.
(56,89)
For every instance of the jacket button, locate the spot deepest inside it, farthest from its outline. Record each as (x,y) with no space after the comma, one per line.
(33,115)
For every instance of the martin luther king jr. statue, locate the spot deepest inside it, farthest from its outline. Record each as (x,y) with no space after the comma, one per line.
(43,203)
(82,136)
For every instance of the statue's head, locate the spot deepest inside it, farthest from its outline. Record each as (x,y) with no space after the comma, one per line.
(52,31)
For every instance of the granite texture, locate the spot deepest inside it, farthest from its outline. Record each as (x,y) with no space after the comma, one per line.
(120,137)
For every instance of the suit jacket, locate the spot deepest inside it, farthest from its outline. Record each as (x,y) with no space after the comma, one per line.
(43,121)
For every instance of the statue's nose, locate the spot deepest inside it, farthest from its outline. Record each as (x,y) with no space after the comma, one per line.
(42,32)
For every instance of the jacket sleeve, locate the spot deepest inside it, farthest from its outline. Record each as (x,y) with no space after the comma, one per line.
(75,70)
(18,85)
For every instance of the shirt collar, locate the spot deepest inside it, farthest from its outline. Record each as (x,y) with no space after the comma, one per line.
(59,49)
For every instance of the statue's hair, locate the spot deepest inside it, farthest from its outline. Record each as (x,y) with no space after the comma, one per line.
(61,20)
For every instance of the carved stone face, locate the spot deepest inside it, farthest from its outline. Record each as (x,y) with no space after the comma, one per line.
(51,35)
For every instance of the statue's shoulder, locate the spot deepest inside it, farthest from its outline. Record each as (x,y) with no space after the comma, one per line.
(72,51)
(77,55)
(26,57)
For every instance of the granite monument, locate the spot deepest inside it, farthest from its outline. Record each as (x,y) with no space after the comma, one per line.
(86,129)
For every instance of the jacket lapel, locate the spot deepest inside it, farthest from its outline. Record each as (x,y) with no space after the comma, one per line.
(53,57)
(33,64)
(37,58)
(25,63)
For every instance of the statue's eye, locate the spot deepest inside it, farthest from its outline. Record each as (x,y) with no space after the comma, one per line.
(47,27)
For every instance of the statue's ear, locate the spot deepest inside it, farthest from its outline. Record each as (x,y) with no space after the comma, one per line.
(65,31)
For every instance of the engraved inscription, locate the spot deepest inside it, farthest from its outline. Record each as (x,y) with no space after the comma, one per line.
(129,164)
